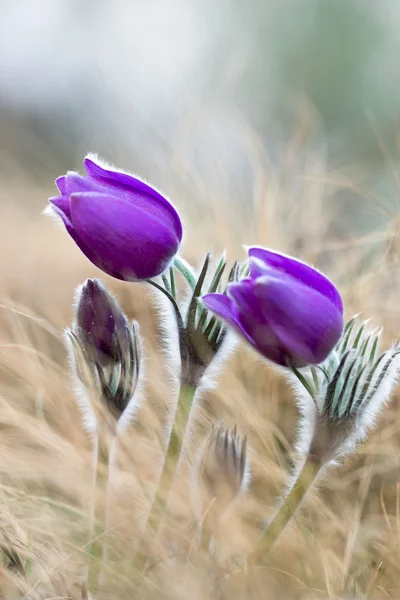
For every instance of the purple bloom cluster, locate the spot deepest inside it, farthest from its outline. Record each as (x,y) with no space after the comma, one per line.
(288,311)
(123,225)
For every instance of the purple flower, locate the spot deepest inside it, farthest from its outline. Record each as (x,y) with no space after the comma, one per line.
(100,324)
(285,309)
(123,225)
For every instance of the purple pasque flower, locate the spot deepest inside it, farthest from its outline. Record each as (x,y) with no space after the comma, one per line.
(288,311)
(123,225)
(100,324)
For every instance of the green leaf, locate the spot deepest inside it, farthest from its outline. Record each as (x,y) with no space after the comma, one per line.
(347,333)
(343,401)
(374,347)
(359,334)
(186,271)
(212,288)
(166,283)
(217,275)
(191,314)
(172,281)
(368,382)
(332,392)
(303,381)
(315,377)
(210,326)
(234,272)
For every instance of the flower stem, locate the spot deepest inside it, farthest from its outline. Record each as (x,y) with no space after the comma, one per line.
(92,506)
(171,459)
(289,506)
(112,459)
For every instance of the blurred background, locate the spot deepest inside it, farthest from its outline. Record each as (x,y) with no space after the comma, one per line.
(177,90)
(232,105)
(266,122)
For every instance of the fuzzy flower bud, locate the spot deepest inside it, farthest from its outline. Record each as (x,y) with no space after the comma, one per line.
(289,312)
(123,225)
(105,350)
(222,474)
(100,324)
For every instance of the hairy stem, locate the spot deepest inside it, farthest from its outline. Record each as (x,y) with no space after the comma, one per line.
(92,506)
(289,506)
(171,458)
(112,459)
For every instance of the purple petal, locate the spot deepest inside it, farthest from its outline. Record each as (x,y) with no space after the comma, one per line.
(307,324)
(263,339)
(99,320)
(220,305)
(60,183)
(60,204)
(243,295)
(224,307)
(257,334)
(300,271)
(75,183)
(128,242)
(71,230)
(134,185)
(258,268)
(253,322)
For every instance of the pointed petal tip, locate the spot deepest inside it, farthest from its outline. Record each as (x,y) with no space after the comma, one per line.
(60,183)
(218,303)
(207,299)
(91,161)
(58,206)
(258,268)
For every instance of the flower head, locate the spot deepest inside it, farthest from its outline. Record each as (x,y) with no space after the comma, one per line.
(123,225)
(222,474)
(100,323)
(288,311)
(105,350)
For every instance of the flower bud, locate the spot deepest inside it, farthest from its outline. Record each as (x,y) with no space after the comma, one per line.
(288,311)
(123,225)
(100,324)
(105,349)
(222,473)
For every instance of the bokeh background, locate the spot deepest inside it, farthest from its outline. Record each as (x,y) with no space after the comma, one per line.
(228,105)
(266,122)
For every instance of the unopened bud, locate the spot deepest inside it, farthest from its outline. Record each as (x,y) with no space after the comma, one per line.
(222,474)
(100,324)
(106,348)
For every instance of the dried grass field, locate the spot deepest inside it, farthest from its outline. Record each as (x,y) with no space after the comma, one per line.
(344,543)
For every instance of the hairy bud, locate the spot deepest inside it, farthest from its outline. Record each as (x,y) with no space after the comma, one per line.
(100,325)
(222,474)
(105,350)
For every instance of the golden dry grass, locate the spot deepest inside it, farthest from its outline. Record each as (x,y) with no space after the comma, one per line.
(345,540)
